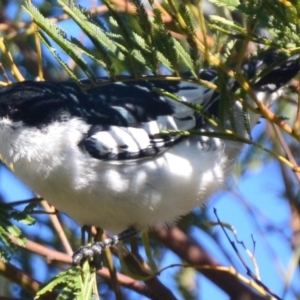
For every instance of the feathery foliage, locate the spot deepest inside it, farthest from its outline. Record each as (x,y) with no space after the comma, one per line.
(141,44)
(9,230)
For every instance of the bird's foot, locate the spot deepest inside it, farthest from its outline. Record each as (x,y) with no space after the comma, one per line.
(95,250)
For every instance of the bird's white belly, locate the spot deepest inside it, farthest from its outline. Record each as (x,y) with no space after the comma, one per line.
(117,195)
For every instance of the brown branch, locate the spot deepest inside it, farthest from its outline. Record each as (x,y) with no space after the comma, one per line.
(27,282)
(53,256)
(57,226)
(287,151)
(138,267)
(185,247)
(158,288)
(193,253)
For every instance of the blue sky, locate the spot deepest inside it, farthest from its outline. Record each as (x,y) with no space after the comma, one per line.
(261,188)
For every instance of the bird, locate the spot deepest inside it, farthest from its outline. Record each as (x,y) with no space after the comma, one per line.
(98,155)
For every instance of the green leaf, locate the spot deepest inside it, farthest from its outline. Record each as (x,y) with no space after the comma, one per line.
(105,46)
(222,22)
(69,282)
(8,230)
(231,4)
(57,57)
(59,36)
(164,42)
(185,57)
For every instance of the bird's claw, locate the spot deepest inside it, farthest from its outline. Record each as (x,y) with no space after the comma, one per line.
(95,250)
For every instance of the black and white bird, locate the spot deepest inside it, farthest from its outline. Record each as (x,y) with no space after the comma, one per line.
(97,155)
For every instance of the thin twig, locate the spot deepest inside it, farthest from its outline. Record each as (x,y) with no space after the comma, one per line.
(248,270)
(57,226)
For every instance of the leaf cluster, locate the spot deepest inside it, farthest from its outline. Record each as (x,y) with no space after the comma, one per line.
(9,230)
(121,43)
(270,23)
(67,283)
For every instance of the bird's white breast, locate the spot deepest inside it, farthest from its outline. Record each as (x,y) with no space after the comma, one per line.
(114,195)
